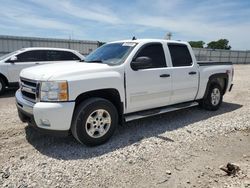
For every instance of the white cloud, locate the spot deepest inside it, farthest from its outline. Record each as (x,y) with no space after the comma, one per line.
(44,23)
(21,16)
(93,12)
(24,19)
(207,21)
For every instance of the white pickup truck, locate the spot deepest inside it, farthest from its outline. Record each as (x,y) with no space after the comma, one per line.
(119,82)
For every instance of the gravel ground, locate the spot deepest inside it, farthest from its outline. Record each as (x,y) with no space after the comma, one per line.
(177,149)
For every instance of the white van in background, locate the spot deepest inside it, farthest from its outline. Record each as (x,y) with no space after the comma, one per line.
(11,64)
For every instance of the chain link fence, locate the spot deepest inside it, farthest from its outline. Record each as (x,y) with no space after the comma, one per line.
(11,43)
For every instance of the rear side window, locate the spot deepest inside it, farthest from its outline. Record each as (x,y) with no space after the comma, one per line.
(53,55)
(70,56)
(156,53)
(32,56)
(180,55)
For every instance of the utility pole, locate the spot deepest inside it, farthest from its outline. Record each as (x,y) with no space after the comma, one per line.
(168,36)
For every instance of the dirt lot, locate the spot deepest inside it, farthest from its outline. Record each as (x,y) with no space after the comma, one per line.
(178,149)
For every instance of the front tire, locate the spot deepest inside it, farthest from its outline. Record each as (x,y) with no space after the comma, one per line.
(2,86)
(94,121)
(213,99)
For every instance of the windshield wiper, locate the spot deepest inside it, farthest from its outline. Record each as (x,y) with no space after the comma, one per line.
(95,61)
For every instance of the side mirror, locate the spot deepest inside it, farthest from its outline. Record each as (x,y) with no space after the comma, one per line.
(13,59)
(141,63)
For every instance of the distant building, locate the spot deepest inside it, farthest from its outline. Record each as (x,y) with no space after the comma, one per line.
(11,43)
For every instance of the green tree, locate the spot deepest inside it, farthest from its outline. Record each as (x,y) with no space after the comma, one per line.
(197,44)
(219,44)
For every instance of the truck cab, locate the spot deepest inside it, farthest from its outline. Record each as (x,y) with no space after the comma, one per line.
(173,78)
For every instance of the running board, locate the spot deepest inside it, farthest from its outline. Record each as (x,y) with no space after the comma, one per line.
(157,111)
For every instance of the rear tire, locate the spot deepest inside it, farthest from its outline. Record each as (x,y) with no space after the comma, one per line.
(213,99)
(94,121)
(2,86)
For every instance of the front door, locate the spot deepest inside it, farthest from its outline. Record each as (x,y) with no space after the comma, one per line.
(149,87)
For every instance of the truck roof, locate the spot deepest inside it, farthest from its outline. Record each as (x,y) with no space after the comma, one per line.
(152,40)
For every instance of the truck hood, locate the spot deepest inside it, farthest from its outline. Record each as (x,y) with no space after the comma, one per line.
(61,70)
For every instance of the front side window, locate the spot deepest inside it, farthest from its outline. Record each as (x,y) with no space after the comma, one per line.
(113,53)
(180,55)
(31,56)
(70,56)
(156,53)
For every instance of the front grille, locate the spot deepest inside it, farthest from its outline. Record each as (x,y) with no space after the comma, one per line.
(29,95)
(29,83)
(29,89)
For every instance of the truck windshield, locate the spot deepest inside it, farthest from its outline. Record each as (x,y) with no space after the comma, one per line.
(113,53)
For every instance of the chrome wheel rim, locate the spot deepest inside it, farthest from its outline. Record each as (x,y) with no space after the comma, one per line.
(1,86)
(215,97)
(98,123)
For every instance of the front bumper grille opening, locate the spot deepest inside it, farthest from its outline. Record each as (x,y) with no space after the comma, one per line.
(29,95)
(29,89)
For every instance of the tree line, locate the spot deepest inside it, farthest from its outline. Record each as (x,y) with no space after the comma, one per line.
(219,44)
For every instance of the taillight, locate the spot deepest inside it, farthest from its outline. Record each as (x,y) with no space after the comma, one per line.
(232,74)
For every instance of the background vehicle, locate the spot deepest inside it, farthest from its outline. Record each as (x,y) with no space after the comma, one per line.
(12,64)
(120,81)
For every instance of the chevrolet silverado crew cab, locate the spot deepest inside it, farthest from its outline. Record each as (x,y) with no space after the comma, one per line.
(12,64)
(119,82)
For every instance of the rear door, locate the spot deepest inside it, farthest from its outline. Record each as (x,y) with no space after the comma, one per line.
(149,87)
(57,55)
(185,75)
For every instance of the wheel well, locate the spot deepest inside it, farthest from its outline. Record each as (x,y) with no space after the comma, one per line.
(221,79)
(4,79)
(111,95)
(223,83)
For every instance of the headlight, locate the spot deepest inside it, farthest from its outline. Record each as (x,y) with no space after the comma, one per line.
(54,91)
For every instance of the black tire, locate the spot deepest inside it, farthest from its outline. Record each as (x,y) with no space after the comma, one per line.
(86,109)
(208,103)
(2,86)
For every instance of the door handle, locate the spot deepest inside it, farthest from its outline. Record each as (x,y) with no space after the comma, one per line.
(164,75)
(191,73)
(37,63)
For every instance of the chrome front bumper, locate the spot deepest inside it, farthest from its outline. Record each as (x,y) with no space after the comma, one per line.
(24,105)
(45,115)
